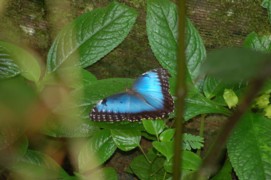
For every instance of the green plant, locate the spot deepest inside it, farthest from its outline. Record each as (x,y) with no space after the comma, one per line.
(57,104)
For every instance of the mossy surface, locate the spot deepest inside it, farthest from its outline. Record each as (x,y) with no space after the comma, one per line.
(35,23)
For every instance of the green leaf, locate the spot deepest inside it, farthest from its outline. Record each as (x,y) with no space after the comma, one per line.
(17,98)
(127,125)
(154,127)
(192,142)
(259,43)
(36,165)
(197,104)
(8,67)
(195,51)
(225,172)
(15,60)
(91,36)
(237,64)
(267,4)
(165,148)
(190,162)
(107,173)
(73,77)
(162,34)
(249,147)
(75,129)
(213,87)
(148,171)
(96,151)
(167,135)
(126,140)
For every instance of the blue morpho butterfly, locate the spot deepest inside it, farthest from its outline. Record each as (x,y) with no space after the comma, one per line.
(149,98)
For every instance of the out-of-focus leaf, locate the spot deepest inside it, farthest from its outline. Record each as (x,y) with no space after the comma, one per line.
(16,102)
(107,173)
(99,148)
(15,60)
(249,147)
(126,140)
(73,77)
(35,165)
(80,128)
(237,64)
(91,36)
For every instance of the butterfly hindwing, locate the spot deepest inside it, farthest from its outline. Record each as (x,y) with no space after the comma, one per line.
(148,98)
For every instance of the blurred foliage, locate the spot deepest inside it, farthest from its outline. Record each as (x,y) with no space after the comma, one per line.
(45,115)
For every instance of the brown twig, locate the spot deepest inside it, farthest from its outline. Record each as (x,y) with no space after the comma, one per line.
(180,91)
(209,165)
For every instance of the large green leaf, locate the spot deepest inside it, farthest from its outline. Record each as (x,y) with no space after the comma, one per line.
(237,64)
(17,98)
(162,34)
(249,147)
(126,140)
(91,36)
(36,165)
(259,43)
(96,151)
(15,60)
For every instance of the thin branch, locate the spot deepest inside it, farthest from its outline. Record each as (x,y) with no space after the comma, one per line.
(209,165)
(180,91)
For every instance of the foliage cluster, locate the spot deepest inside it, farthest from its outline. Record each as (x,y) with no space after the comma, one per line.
(57,104)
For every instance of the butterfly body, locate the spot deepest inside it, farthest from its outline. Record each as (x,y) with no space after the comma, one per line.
(148,98)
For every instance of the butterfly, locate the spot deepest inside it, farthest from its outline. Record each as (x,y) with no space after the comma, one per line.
(149,98)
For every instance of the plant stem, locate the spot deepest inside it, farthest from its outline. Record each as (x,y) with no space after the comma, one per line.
(209,165)
(180,91)
(201,130)
(141,149)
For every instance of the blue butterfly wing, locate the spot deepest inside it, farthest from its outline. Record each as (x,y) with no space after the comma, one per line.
(154,87)
(148,98)
(123,106)
(148,85)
